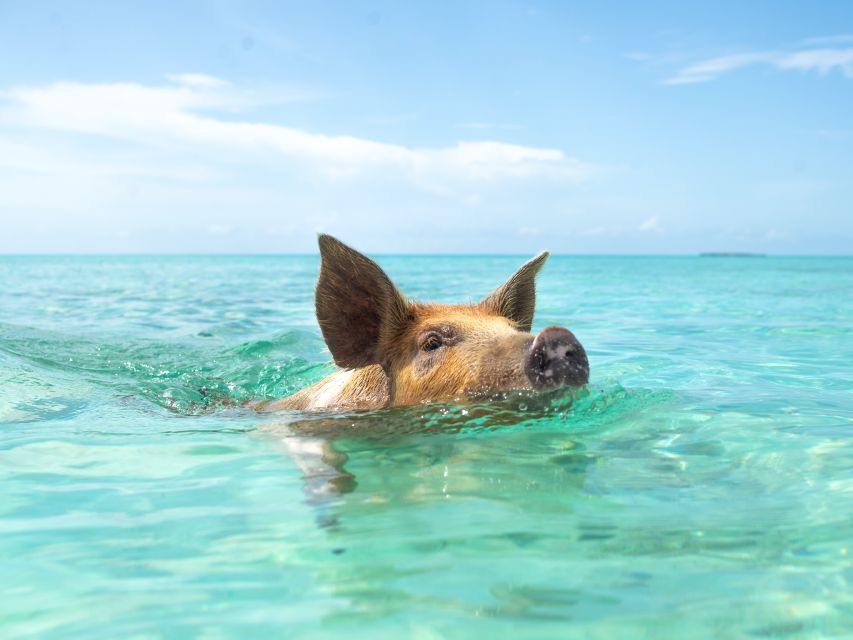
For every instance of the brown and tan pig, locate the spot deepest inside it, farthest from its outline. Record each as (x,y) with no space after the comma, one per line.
(394,352)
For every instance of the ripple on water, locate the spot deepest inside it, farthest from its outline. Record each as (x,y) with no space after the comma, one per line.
(701,486)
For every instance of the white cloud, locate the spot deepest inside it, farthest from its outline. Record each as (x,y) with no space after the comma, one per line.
(180,113)
(710,69)
(190,164)
(821,60)
(197,80)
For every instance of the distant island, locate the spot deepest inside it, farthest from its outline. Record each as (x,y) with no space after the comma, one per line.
(731,254)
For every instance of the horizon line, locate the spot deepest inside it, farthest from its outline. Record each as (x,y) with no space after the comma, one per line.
(698,254)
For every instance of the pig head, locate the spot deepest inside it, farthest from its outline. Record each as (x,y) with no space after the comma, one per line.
(396,352)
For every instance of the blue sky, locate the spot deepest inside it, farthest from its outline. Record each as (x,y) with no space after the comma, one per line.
(445,127)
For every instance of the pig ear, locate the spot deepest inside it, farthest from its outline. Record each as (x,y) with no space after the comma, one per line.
(356,304)
(516,298)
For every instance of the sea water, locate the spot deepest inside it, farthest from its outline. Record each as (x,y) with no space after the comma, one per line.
(700,487)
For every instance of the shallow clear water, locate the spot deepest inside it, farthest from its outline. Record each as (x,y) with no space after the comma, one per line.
(701,487)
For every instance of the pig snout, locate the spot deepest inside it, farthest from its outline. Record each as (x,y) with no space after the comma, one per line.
(556,358)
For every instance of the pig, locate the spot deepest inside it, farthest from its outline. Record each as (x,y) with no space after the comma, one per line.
(395,352)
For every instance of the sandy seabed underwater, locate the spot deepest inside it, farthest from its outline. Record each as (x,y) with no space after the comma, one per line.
(701,487)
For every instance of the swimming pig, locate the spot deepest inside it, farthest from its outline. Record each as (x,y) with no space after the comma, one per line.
(394,352)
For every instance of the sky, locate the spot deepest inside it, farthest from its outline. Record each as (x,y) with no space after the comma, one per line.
(440,127)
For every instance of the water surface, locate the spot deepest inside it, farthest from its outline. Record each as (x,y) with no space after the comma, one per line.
(702,486)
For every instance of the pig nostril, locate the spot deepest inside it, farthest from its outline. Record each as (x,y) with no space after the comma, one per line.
(556,352)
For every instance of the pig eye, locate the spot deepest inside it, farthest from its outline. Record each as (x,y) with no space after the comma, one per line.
(432,343)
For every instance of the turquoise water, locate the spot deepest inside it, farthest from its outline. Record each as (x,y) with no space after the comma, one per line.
(701,487)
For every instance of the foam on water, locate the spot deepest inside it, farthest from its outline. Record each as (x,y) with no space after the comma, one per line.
(701,486)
